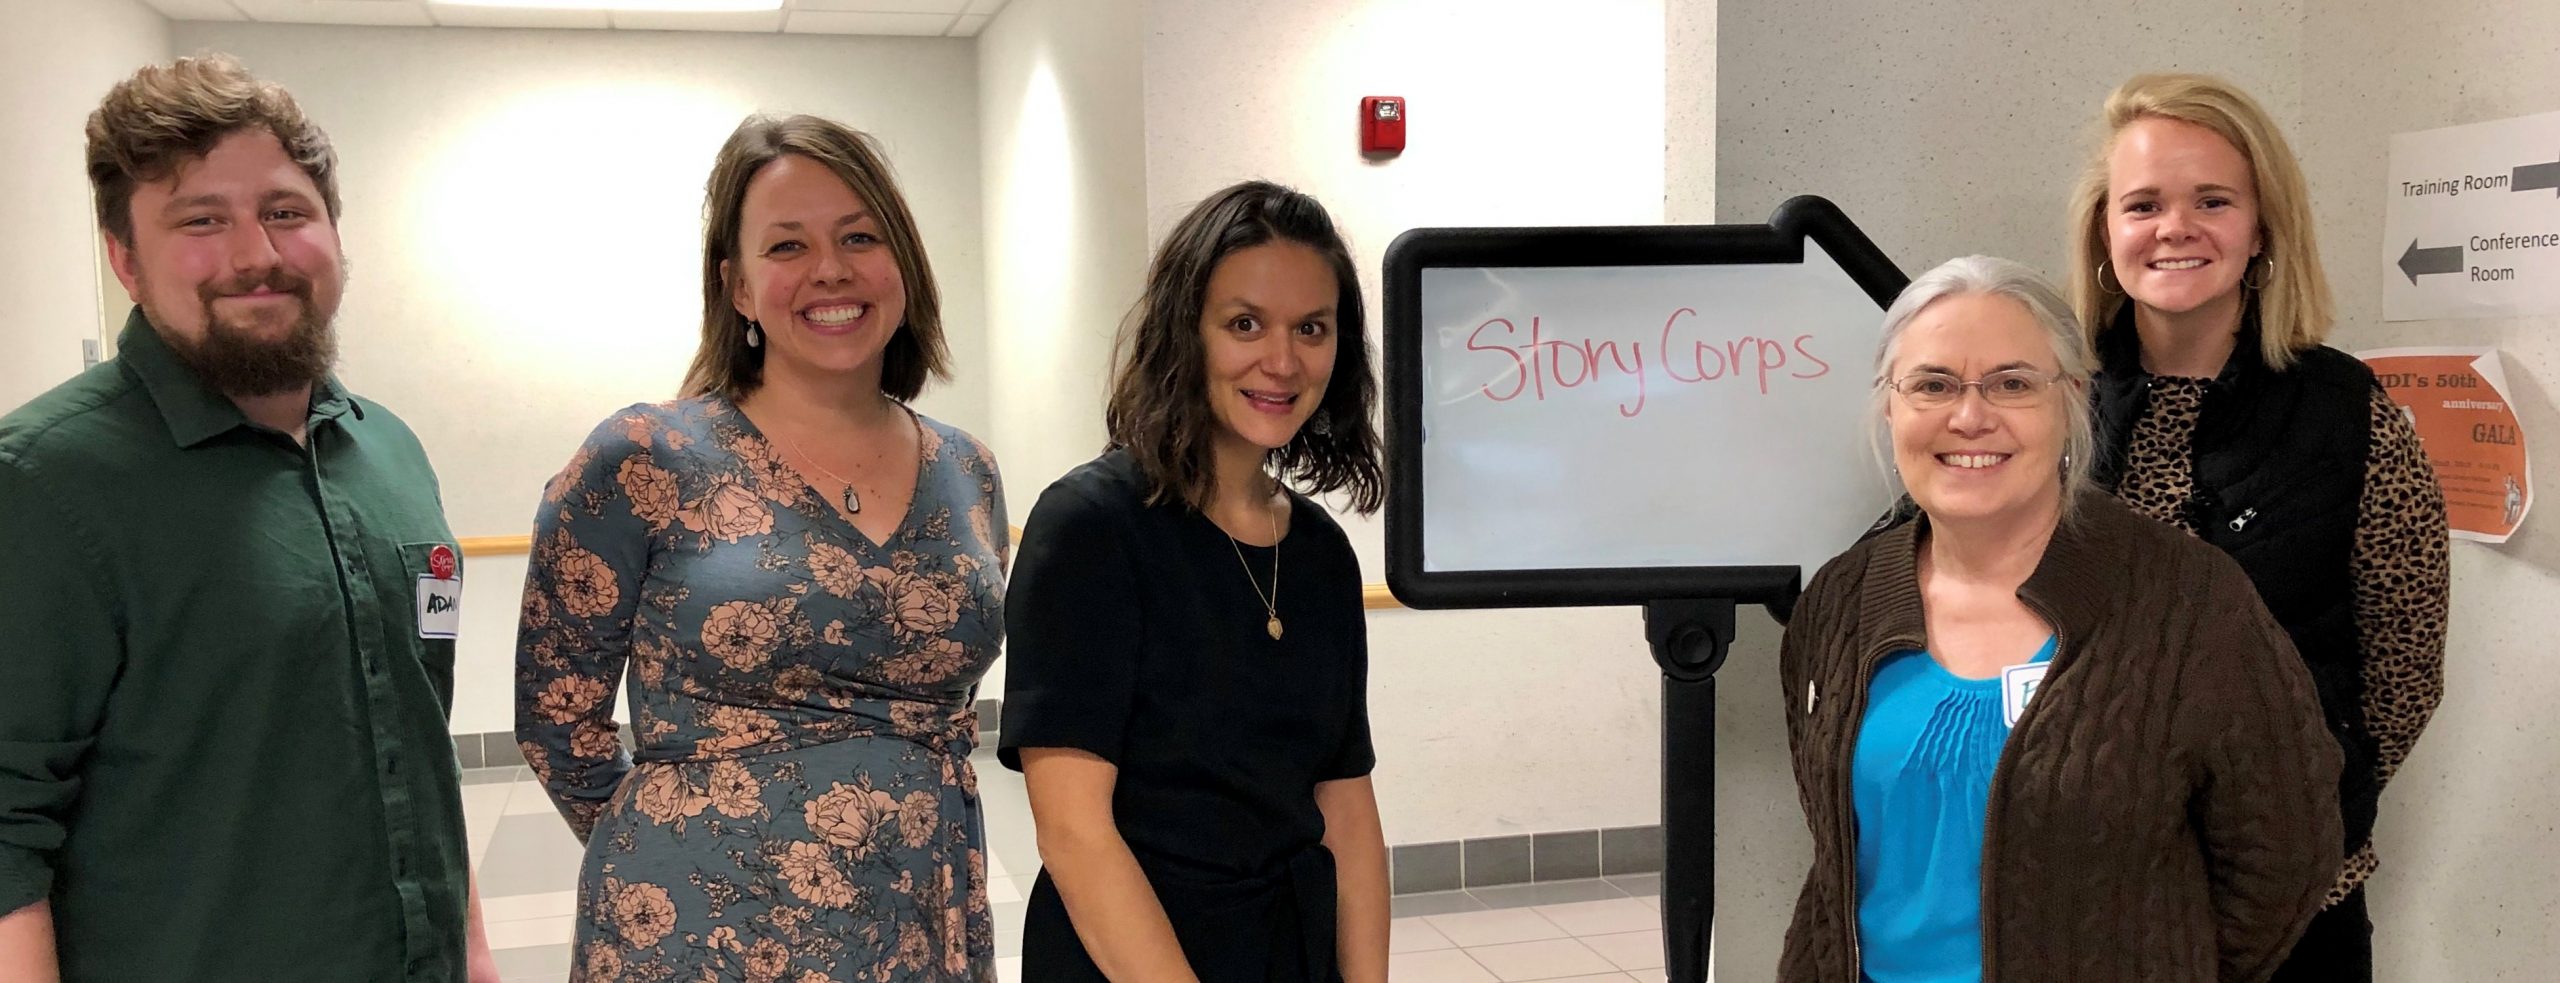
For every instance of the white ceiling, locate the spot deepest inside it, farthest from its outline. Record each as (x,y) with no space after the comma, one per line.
(907,18)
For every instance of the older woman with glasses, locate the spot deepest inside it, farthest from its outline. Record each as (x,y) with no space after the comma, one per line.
(2037,736)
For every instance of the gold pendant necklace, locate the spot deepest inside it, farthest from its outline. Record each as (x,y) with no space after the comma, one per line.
(1270,604)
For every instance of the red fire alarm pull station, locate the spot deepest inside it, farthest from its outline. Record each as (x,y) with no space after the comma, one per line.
(1382,125)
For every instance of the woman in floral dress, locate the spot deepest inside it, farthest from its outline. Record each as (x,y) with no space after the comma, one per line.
(804,579)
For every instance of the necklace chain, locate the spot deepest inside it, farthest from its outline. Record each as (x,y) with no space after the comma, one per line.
(852,501)
(1270,603)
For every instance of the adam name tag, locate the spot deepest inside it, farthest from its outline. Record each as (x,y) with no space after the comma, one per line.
(439,607)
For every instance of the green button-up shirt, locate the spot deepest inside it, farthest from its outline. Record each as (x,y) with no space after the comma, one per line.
(223,751)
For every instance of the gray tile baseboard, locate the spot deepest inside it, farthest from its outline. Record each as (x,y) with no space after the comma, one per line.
(497,749)
(1631,850)
(1568,855)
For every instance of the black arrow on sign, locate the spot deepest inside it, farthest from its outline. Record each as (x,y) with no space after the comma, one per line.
(2442,259)
(2535,177)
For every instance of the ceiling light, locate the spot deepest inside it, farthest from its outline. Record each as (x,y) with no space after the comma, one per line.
(665,6)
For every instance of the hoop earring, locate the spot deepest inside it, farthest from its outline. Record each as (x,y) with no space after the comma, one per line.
(2102,280)
(754,336)
(2262,281)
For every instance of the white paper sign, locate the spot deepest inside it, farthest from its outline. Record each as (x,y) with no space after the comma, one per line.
(2472,228)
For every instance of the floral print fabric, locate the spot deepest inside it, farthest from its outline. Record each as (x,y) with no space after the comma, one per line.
(801,807)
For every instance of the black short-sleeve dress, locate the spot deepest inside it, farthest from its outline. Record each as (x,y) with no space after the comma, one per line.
(1134,632)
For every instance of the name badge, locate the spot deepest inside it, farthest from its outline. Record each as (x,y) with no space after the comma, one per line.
(439,607)
(2018,684)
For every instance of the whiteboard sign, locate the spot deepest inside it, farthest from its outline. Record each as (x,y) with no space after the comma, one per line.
(1610,416)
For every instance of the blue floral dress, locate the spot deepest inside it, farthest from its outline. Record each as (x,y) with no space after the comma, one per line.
(801,807)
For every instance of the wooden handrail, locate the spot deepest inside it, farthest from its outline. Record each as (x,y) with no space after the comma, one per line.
(496,545)
(1374,597)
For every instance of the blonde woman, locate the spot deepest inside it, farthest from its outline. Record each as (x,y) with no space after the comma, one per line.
(2221,412)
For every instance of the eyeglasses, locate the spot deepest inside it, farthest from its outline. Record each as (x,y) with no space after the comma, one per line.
(2010,387)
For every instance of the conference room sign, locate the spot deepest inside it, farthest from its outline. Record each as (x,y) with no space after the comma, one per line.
(2472,224)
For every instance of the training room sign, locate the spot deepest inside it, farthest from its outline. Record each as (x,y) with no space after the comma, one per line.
(2472,228)
(2458,400)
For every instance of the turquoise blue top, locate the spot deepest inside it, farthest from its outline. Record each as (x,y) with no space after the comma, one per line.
(1920,780)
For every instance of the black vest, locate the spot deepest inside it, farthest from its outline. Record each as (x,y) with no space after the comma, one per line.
(2279,463)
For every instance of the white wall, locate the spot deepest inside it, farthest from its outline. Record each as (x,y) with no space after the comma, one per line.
(1061,124)
(1689,112)
(523,225)
(57,59)
(2467,839)
(1522,113)
(1955,126)
(1064,136)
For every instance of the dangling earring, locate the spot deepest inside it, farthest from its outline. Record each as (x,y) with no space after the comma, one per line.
(754,337)
(2262,281)
(2066,463)
(2102,280)
(1321,425)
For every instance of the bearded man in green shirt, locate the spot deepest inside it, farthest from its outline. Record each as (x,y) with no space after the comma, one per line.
(228,608)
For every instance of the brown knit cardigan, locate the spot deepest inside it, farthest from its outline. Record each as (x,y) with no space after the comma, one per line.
(2166,811)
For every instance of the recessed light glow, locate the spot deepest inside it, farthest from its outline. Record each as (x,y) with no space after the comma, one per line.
(660,6)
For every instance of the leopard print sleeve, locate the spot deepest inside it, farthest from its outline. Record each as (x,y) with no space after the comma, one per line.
(2402,579)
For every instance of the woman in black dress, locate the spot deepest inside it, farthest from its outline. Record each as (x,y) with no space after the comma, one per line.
(1187,696)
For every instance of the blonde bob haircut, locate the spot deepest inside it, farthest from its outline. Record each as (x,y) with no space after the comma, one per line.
(2293,307)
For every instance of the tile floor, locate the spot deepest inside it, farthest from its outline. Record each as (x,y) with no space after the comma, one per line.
(1596,930)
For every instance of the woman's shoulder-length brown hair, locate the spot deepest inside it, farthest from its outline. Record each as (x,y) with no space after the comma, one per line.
(725,365)
(1159,410)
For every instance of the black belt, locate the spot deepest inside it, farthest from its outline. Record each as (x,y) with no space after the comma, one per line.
(1311,883)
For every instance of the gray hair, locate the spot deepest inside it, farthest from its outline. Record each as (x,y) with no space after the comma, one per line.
(1993,276)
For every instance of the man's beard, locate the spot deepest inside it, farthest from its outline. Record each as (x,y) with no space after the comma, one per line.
(233,360)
